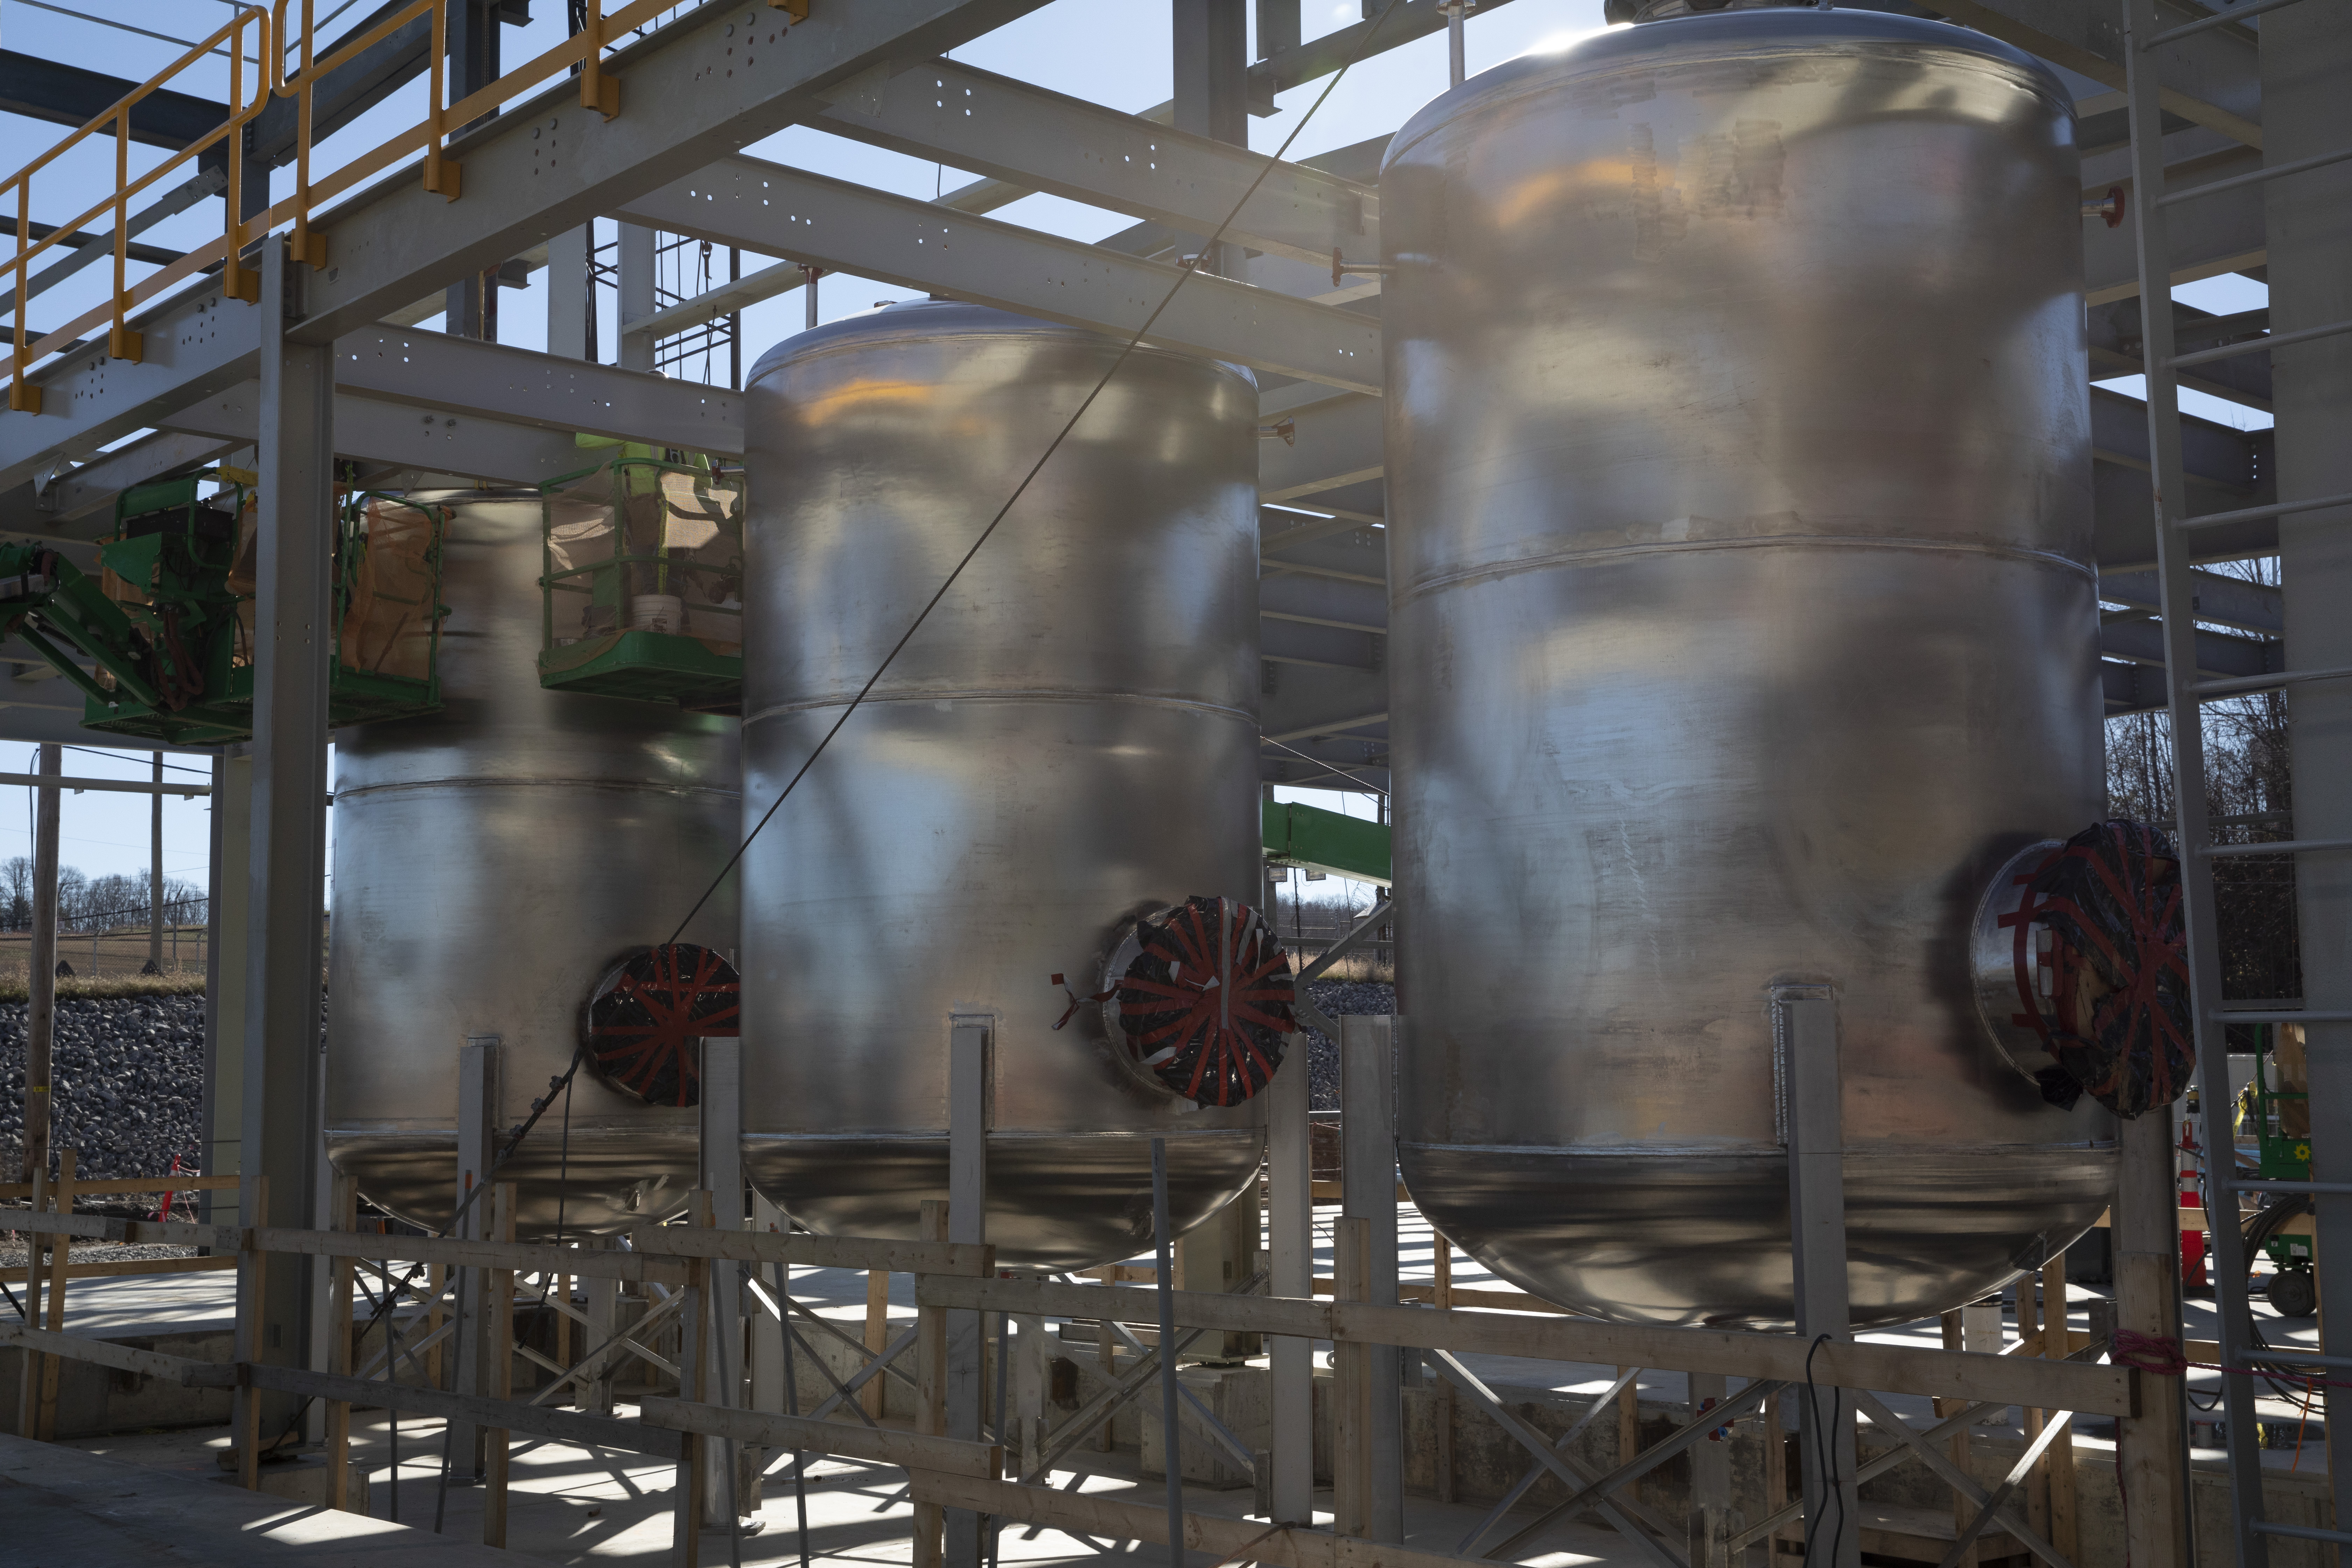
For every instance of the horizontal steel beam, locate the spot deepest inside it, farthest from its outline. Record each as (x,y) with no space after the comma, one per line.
(780,211)
(2218,653)
(2213,78)
(1068,147)
(2256,607)
(692,92)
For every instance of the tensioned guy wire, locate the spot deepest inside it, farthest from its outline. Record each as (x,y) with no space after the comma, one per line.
(563,1082)
(1134,339)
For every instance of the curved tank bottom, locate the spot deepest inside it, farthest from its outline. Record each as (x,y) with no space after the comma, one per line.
(1659,1238)
(610,1179)
(1055,1203)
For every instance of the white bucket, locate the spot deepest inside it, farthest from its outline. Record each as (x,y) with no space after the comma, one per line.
(658,612)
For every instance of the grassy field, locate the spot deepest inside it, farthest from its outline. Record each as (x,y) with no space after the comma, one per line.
(108,963)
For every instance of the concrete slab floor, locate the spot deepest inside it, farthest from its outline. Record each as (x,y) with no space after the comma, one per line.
(63,1507)
(570,1505)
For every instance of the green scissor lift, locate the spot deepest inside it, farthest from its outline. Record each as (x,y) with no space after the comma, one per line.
(167,621)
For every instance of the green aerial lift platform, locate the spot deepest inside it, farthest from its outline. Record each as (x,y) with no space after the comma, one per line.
(1324,840)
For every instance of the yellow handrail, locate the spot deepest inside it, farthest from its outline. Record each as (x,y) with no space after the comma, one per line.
(122,343)
(598,91)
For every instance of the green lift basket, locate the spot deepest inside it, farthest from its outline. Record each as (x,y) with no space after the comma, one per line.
(2279,1121)
(168,621)
(642,581)
(1324,840)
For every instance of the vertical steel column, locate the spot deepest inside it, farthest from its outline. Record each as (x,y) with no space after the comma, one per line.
(2306,67)
(1805,1039)
(285,931)
(221,1095)
(970,1085)
(41,978)
(1290,1236)
(471,304)
(721,1123)
(2178,591)
(1368,1191)
(1211,99)
(567,295)
(1277,28)
(636,350)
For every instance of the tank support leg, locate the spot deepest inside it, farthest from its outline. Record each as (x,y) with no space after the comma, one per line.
(1290,1233)
(1368,1191)
(1805,1032)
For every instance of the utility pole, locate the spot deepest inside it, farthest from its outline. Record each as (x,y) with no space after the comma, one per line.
(41,982)
(155,874)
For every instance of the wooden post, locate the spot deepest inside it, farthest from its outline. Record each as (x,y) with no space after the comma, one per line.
(564,1322)
(1629,1420)
(33,1368)
(693,1326)
(1106,1357)
(1775,1476)
(878,1336)
(252,1277)
(339,1351)
(498,1343)
(1351,1383)
(41,978)
(2147,1237)
(1963,1510)
(2058,1459)
(60,1254)
(2037,1485)
(1441,1296)
(931,1384)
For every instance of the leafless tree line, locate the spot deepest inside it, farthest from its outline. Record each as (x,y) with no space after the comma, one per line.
(95,904)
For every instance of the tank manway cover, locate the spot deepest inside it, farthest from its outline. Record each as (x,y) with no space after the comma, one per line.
(2111,898)
(650,1014)
(1205,1004)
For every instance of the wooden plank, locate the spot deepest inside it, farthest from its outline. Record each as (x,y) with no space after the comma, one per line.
(1351,1386)
(2059,1459)
(498,1342)
(28,1378)
(518,1257)
(931,1391)
(252,1277)
(1101,1514)
(539,1421)
(10,1190)
(948,1456)
(174,1369)
(53,1368)
(806,1251)
(2007,1380)
(878,1336)
(107,1271)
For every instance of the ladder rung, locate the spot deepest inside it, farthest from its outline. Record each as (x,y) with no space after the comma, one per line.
(2257,513)
(2323,1189)
(2237,684)
(2239,182)
(2284,846)
(2260,345)
(2234,14)
(2231,1015)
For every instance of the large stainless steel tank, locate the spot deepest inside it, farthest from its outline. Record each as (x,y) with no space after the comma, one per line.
(1745,624)
(1069,740)
(491,862)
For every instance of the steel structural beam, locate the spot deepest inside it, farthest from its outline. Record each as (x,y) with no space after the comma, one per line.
(1390,25)
(77,501)
(707,84)
(1066,147)
(2213,78)
(2258,608)
(2216,234)
(373,430)
(835,224)
(2218,653)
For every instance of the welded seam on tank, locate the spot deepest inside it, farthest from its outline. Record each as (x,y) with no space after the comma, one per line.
(1133,699)
(632,786)
(1765,541)
(2041,83)
(1889,1149)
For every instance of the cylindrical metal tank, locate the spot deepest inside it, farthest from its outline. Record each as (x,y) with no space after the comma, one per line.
(491,862)
(1745,625)
(1069,742)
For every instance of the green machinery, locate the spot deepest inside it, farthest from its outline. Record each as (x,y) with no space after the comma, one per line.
(1324,840)
(643,580)
(2279,1119)
(168,621)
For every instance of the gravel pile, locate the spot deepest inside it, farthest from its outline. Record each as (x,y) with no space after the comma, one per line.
(129,1084)
(1336,997)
